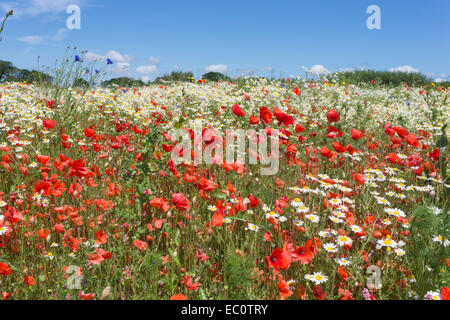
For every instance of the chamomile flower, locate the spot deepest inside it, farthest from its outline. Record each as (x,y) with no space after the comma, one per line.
(49,255)
(343,261)
(272,214)
(313,218)
(252,227)
(438,238)
(3,230)
(335,202)
(335,219)
(356,229)
(325,234)
(296,203)
(433,295)
(298,223)
(382,201)
(388,242)
(319,277)
(330,247)
(344,240)
(302,209)
(291,283)
(395,212)
(435,210)
(399,252)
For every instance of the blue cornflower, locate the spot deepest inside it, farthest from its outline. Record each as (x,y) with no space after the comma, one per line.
(77,58)
(96,71)
(109,61)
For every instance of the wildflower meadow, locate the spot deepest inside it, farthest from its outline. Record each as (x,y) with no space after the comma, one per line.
(247,188)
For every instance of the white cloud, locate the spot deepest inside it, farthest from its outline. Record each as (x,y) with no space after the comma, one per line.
(122,67)
(92,56)
(216,68)
(176,67)
(439,80)
(319,69)
(36,7)
(406,68)
(147,69)
(145,78)
(154,60)
(118,57)
(32,39)
(44,40)
(121,62)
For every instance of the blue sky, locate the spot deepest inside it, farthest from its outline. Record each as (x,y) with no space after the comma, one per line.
(153,37)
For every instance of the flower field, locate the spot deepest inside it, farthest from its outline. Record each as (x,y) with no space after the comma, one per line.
(93,207)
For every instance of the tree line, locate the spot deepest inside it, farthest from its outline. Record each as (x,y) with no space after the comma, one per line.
(10,73)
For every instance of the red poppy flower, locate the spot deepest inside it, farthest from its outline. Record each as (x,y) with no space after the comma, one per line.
(180,201)
(160,202)
(101,237)
(356,134)
(48,123)
(253,201)
(42,159)
(86,296)
(279,259)
(29,281)
(333,116)
(141,245)
(284,290)
(189,285)
(265,115)
(217,220)
(392,157)
(237,110)
(5,269)
(359,178)
(282,117)
(254,120)
(178,296)
(324,152)
(88,132)
(319,293)
(445,293)
(13,215)
(99,256)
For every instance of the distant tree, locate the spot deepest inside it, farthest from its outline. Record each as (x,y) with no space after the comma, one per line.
(215,76)
(38,77)
(175,76)
(80,83)
(6,68)
(390,78)
(17,75)
(124,82)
